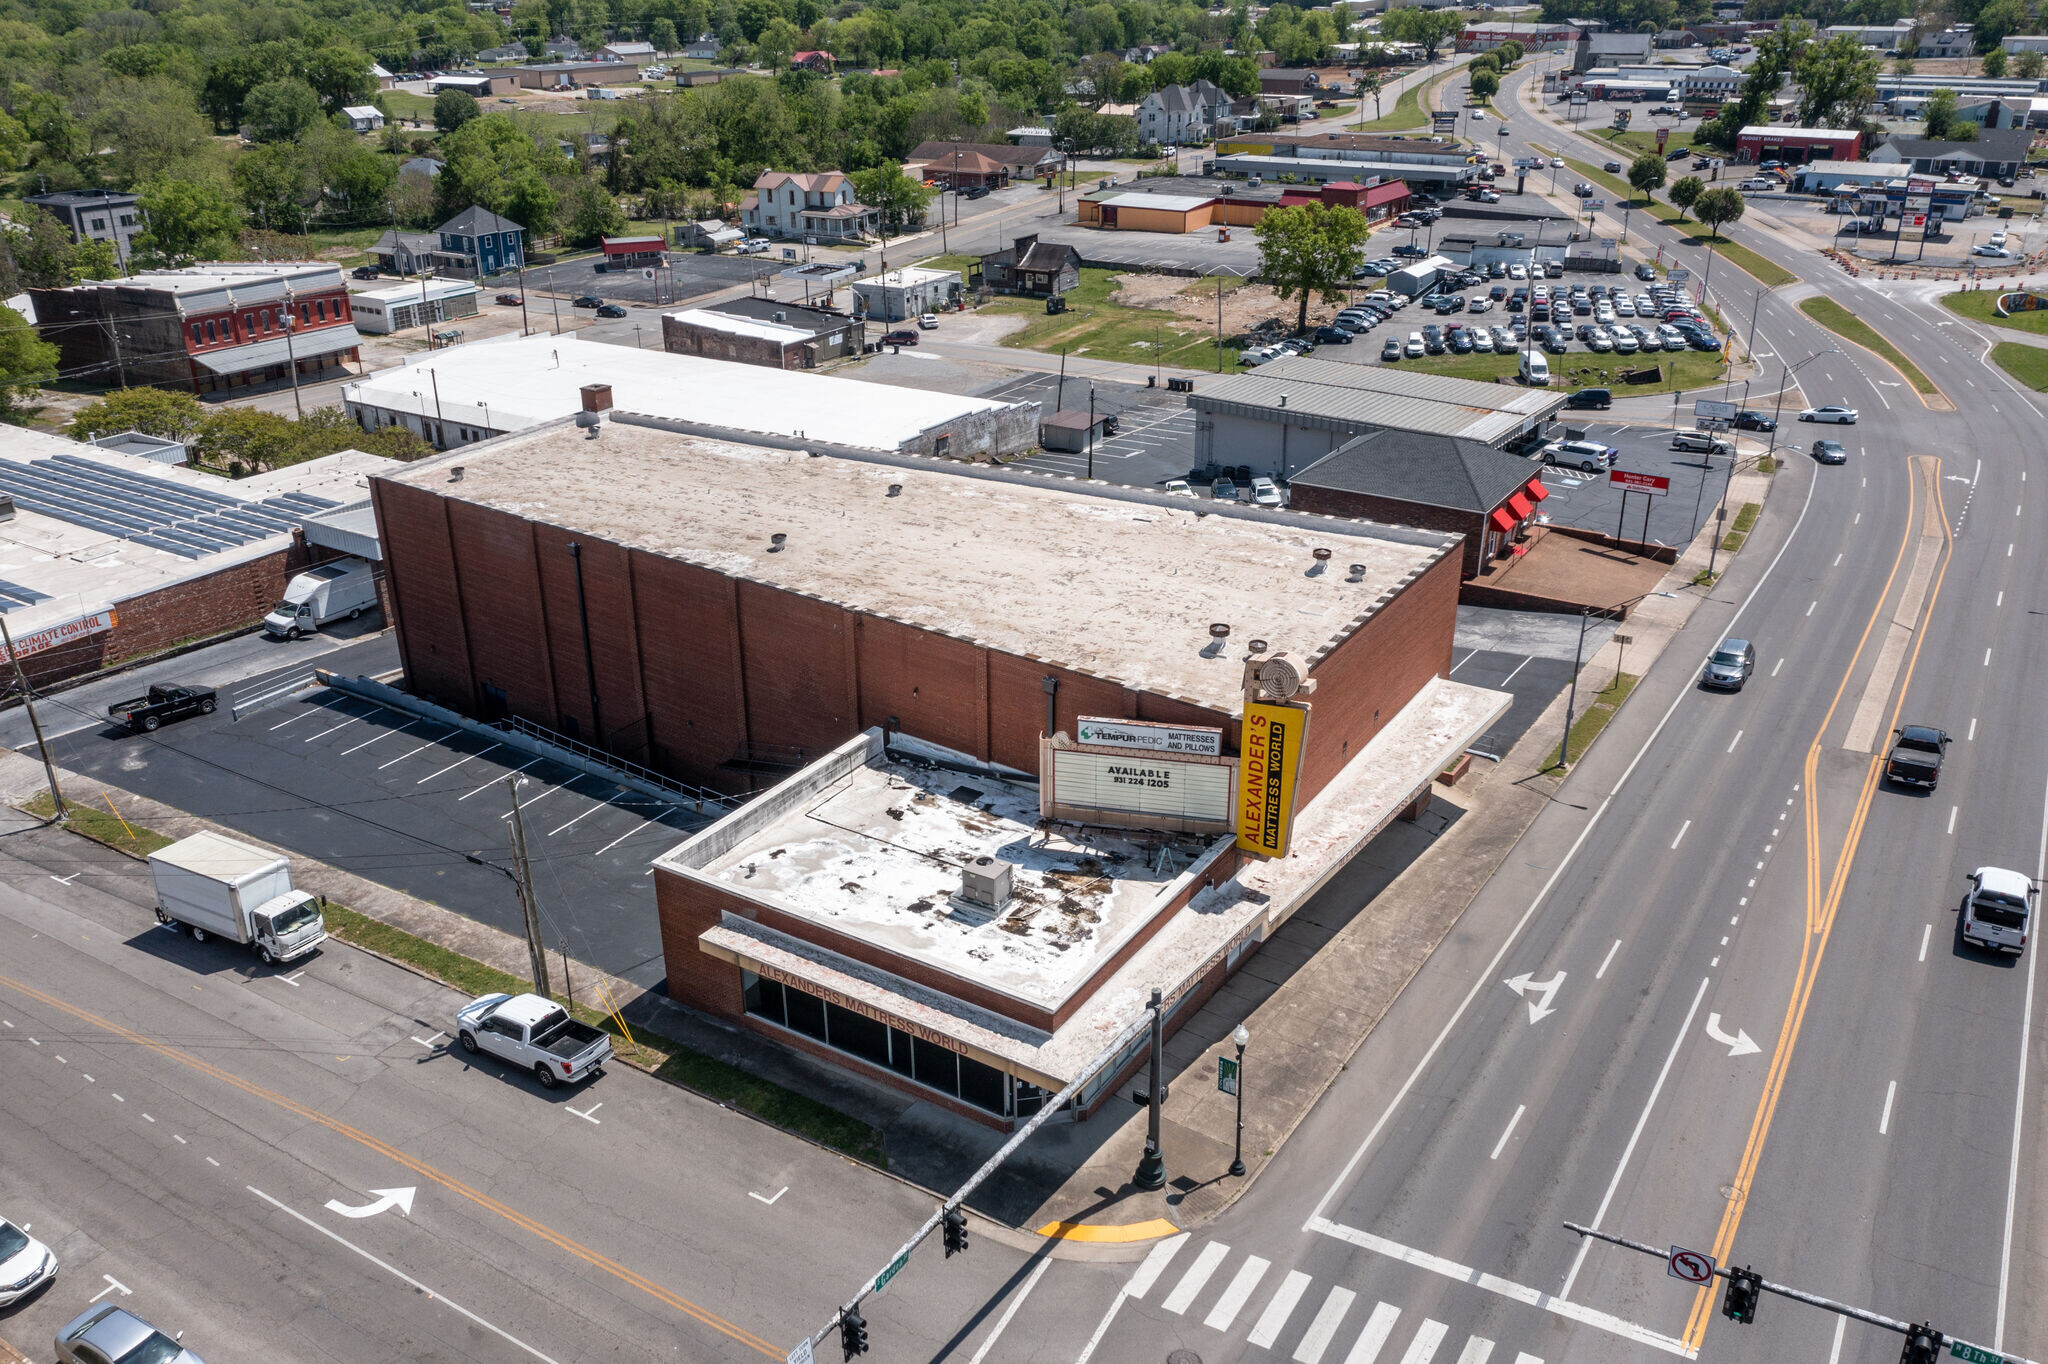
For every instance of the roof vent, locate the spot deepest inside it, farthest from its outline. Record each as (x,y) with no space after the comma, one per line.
(1322,558)
(1217,634)
(1283,400)
(1256,647)
(986,882)
(777,543)
(1357,574)
(895,490)
(590,420)
(455,474)
(782,317)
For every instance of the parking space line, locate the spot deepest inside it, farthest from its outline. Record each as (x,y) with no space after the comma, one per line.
(343,725)
(601,805)
(457,763)
(495,780)
(620,839)
(386,734)
(409,752)
(1518,667)
(529,804)
(320,705)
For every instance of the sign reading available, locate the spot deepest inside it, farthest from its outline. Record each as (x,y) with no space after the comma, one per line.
(1144,736)
(1656,485)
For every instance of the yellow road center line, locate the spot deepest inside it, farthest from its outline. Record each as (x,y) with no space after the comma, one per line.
(417,1166)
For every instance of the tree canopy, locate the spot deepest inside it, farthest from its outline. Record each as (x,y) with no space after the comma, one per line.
(1311,249)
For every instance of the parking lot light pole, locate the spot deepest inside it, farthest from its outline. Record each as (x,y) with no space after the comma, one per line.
(1784,382)
(1586,613)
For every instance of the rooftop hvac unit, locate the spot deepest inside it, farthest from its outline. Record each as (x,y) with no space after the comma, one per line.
(986,882)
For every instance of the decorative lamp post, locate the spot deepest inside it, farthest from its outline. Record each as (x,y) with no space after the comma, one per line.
(1240,1037)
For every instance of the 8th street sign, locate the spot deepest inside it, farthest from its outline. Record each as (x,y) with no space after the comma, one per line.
(1962,1349)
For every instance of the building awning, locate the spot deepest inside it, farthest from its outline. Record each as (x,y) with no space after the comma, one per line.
(1503,520)
(347,530)
(1520,505)
(1536,491)
(306,345)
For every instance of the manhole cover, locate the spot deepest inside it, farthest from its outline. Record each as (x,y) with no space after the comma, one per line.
(1183,1357)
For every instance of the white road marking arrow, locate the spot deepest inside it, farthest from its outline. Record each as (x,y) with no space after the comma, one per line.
(1738,1045)
(1539,1009)
(400,1199)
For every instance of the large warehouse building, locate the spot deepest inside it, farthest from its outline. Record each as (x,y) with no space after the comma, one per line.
(998,723)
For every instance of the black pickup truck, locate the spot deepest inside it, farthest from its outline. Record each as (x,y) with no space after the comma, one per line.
(1916,756)
(161,704)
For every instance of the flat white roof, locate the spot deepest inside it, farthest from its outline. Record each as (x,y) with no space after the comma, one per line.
(735,325)
(910,276)
(1118,583)
(1171,203)
(398,295)
(524,381)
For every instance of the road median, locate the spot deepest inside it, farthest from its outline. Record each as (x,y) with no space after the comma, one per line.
(1834,317)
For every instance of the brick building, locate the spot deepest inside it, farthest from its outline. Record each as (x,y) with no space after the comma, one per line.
(214,328)
(761,331)
(931,672)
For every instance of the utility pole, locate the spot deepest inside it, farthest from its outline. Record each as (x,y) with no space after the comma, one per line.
(28,699)
(528,909)
(291,354)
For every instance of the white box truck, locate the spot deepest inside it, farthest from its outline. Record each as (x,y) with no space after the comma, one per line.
(319,595)
(212,886)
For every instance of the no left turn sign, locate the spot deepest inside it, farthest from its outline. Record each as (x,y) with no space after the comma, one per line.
(1689,1265)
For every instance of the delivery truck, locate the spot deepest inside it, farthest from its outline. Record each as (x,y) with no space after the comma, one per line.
(319,595)
(212,886)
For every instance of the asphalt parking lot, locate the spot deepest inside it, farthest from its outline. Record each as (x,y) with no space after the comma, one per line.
(411,804)
(1592,502)
(1155,440)
(1526,653)
(692,274)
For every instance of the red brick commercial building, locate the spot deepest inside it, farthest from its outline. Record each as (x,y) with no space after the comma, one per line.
(929,672)
(1797,146)
(214,328)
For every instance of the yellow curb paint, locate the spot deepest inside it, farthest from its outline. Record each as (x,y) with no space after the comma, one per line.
(1133,1231)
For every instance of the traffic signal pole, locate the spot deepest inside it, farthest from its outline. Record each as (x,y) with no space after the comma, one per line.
(1921,1336)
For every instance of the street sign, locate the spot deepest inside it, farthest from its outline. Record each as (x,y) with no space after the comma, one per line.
(1663,136)
(801,1355)
(1689,1265)
(1226,1075)
(895,1267)
(1679,274)
(1703,408)
(1962,1349)
(1599,204)
(1656,485)
(647,273)
(1609,243)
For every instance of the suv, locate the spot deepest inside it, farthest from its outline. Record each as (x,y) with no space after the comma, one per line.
(1590,399)
(1704,441)
(1589,456)
(1730,665)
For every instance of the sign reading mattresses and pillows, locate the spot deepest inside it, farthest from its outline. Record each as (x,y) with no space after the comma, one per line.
(1144,736)
(1269,770)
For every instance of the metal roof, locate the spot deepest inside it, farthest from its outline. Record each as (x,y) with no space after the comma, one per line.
(302,345)
(351,530)
(1331,391)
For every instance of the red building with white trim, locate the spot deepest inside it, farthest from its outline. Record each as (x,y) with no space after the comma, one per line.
(1797,146)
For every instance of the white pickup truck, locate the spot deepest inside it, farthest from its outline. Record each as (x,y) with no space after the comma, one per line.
(534,1034)
(1998,909)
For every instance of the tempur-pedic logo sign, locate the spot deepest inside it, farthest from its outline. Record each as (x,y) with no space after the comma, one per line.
(1139,736)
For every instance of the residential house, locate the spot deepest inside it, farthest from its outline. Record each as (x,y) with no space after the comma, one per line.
(490,243)
(1030,266)
(1957,40)
(385,80)
(363,118)
(640,54)
(506,52)
(1995,154)
(2016,43)
(1145,52)
(1183,114)
(820,205)
(707,234)
(399,252)
(94,215)
(1021,163)
(811,61)
(420,165)
(704,49)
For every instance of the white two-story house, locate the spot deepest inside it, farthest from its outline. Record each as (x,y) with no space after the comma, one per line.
(820,205)
(1184,113)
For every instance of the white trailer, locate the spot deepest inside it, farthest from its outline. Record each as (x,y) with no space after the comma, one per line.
(213,886)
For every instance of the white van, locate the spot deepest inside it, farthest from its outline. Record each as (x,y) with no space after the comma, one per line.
(1535,369)
(319,595)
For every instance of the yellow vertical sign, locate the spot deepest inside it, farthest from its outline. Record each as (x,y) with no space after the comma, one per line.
(1269,768)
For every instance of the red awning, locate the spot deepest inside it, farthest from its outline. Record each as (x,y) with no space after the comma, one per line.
(1520,506)
(1536,492)
(1503,520)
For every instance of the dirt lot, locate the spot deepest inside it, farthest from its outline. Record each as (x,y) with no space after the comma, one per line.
(1243,306)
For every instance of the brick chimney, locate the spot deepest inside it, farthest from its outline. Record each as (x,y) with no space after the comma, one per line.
(597,397)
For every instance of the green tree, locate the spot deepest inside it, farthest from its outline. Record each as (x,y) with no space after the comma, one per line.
(2027,66)
(246,440)
(1485,83)
(1370,84)
(94,259)
(1428,29)
(152,411)
(662,33)
(1686,192)
(281,109)
(453,108)
(1311,249)
(1510,52)
(1837,82)
(40,250)
(186,220)
(1646,173)
(592,213)
(1717,208)
(902,199)
(277,186)
(1993,65)
(1777,52)
(1940,112)
(1998,19)
(26,363)
(339,74)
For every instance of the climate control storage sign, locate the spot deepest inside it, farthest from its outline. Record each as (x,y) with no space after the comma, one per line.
(1269,769)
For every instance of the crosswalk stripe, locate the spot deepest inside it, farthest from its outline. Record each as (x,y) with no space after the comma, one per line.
(1324,1327)
(1155,1265)
(1274,1318)
(1227,1307)
(1422,1349)
(1477,1351)
(1197,1276)
(1527,1359)
(1374,1337)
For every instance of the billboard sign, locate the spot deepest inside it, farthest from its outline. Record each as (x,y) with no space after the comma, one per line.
(55,636)
(1144,736)
(1703,408)
(1269,773)
(1655,485)
(1141,786)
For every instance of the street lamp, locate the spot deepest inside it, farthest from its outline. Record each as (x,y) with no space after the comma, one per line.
(1564,749)
(1785,381)
(1240,1037)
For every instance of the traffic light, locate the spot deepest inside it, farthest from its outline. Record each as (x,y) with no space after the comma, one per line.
(955,1231)
(853,1333)
(1923,1345)
(1744,1287)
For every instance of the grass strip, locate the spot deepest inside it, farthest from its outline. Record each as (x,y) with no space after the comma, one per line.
(1745,521)
(2028,364)
(1594,718)
(1981,305)
(664,1056)
(1407,111)
(1095,325)
(1850,327)
(1768,271)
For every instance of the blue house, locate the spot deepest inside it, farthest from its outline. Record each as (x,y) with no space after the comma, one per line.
(491,243)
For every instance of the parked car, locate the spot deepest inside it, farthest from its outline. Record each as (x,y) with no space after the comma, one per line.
(1335,336)
(1590,399)
(1392,350)
(109,1334)
(1265,492)
(1223,490)
(1586,455)
(1749,419)
(1830,452)
(158,704)
(1988,249)
(901,336)
(364,272)
(26,1264)
(1177,487)
(611,310)
(927,321)
(511,300)
(1756,183)
(1730,665)
(1411,249)
(1833,412)
(586,301)
(533,1034)
(1415,346)
(1706,442)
